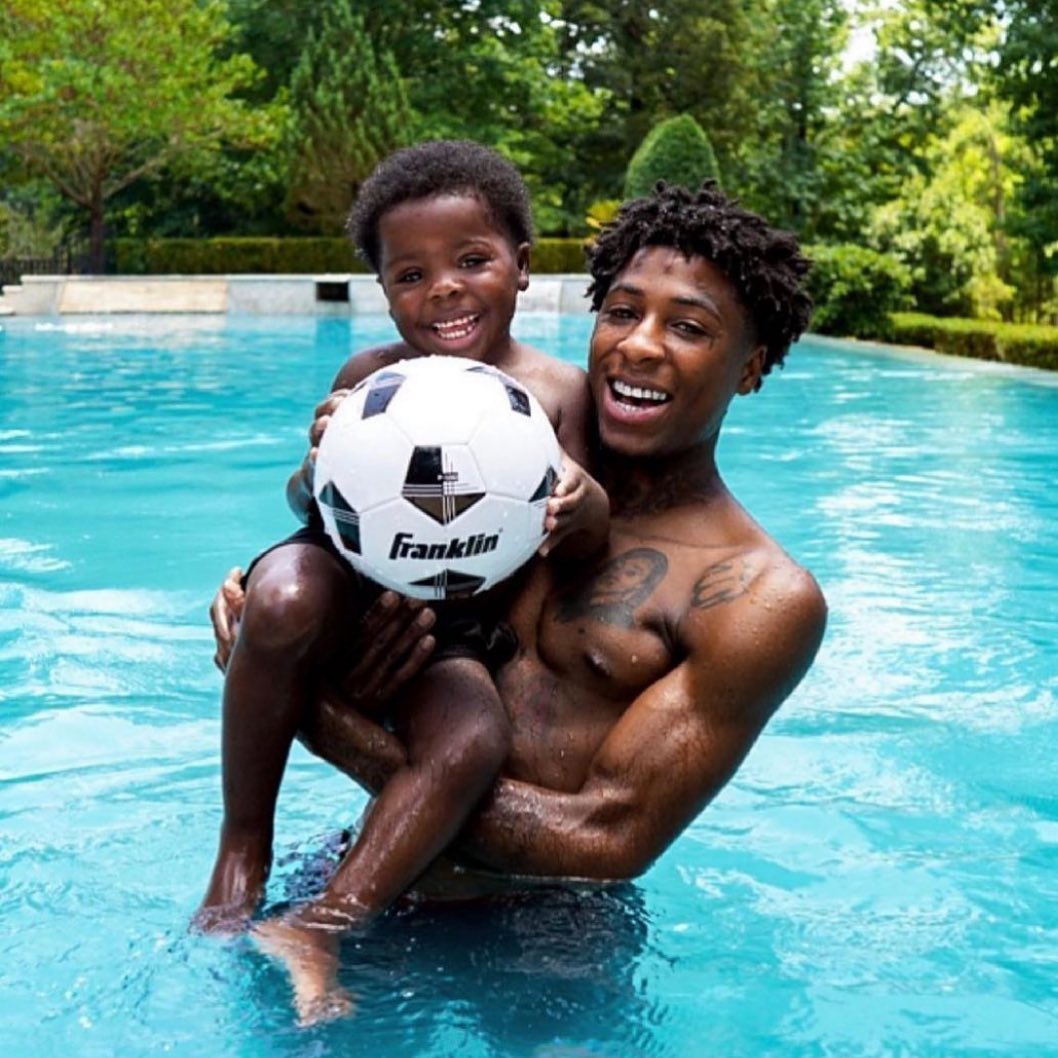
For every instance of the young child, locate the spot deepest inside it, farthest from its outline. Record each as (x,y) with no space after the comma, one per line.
(446,225)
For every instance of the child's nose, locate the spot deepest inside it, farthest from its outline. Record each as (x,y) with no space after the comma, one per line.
(446,284)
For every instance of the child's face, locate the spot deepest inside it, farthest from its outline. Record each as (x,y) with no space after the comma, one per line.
(450,276)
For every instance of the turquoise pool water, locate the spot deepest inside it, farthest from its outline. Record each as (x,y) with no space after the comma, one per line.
(881,877)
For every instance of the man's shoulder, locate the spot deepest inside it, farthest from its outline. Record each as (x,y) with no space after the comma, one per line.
(752,572)
(755,610)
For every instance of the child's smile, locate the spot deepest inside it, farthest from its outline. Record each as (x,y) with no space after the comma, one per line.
(451,276)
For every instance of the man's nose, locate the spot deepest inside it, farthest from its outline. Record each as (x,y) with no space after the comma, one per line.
(644,342)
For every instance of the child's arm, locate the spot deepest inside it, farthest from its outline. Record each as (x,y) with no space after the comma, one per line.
(299,487)
(356,368)
(578,513)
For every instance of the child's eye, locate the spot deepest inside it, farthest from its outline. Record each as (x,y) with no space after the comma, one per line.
(473,260)
(412,275)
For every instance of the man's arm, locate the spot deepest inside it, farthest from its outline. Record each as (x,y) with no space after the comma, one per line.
(673,749)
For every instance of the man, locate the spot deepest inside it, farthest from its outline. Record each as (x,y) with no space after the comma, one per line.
(641,681)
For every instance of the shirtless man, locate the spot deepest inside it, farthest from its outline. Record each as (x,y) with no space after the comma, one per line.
(643,678)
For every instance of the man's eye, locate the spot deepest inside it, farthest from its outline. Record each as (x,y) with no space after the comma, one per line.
(692,330)
(620,312)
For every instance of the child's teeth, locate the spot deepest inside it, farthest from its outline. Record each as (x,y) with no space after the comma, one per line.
(459,328)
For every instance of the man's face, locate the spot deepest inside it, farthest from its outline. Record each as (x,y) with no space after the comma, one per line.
(450,276)
(670,348)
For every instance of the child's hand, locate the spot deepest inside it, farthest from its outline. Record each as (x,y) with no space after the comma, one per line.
(322,417)
(578,507)
(225,612)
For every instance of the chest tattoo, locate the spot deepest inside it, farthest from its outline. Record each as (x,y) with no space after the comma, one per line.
(617,590)
(721,583)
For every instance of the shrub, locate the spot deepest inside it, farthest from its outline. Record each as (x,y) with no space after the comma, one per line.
(1030,345)
(676,151)
(554,256)
(269,256)
(223,256)
(856,290)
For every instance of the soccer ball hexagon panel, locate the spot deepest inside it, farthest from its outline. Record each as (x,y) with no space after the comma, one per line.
(433,477)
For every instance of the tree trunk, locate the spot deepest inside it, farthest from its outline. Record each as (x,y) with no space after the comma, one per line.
(96,261)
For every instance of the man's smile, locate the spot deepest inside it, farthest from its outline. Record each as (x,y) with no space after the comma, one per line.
(637,396)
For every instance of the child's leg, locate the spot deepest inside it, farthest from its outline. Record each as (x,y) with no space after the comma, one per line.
(458,735)
(298,598)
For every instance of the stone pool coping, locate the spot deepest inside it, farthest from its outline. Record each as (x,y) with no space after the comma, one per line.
(336,294)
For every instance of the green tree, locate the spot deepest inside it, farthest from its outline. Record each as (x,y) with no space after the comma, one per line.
(1026,77)
(97,96)
(349,111)
(948,224)
(676,151)
(651,61)
(782,168)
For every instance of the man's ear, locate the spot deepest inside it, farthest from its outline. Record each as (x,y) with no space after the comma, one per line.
(752,371)
(521,256)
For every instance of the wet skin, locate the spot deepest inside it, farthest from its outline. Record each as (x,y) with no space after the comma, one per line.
(644,676)
(452,279)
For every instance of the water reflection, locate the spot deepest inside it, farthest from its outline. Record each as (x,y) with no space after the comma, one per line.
(548,971)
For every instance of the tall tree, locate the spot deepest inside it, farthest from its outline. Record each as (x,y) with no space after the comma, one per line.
(781,166)
(97,96)
(654,61)
(349,110)
(1028,78)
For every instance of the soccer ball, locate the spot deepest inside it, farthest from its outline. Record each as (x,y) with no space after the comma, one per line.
(433,476)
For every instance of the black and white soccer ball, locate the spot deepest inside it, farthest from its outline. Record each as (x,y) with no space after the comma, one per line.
(433,476)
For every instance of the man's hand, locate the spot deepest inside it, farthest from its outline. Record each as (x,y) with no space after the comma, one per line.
(392,645)
(224,613)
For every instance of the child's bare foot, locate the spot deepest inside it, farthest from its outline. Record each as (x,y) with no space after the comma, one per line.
(222,919)
(310,955)
(236,886)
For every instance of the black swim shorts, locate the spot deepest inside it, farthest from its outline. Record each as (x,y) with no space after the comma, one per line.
(486,638)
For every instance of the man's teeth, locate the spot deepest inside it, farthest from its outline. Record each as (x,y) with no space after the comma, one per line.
(654,396)
(457,328)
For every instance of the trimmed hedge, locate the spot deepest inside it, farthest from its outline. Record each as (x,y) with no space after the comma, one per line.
(556,256)
(855,290)
(223,256)
(677,151)
(1031,345)
(272,256)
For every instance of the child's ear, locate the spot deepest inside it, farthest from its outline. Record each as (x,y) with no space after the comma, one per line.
(521,255)
(752,371)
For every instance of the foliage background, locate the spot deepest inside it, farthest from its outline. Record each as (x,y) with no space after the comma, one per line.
(926,131)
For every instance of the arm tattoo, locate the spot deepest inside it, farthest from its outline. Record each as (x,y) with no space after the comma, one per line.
(721,583)
(616,591)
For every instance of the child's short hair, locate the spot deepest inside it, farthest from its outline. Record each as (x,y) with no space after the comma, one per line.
(764,264)
(441,167)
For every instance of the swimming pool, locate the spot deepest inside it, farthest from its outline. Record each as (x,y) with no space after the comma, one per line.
(880,878)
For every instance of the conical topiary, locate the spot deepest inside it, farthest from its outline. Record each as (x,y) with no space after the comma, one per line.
(677,151)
